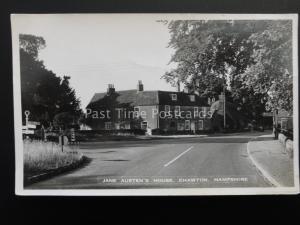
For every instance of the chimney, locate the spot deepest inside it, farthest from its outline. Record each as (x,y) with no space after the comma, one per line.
(178,86)
(110,89)
(140,86)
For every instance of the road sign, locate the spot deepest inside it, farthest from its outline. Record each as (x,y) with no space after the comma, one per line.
(28,131)
(34,123)
(31,126)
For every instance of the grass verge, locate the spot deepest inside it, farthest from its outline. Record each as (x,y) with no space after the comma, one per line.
(41,157)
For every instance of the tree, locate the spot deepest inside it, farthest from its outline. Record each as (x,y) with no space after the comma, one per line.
(31,44)
(43,92)
(271,74)
(212,54)
(67,98)
(64,119)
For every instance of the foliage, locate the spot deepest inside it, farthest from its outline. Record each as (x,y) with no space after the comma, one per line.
(44,94)
(64,119)
(272,72)
(212,54)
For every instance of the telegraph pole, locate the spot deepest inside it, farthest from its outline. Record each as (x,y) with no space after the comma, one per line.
(224,90)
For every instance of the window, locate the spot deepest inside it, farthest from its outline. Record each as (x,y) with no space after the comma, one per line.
(144,125)
(196,111)
(108,125)
(192,98)
(167,108)
(174,97)
(177,109)
(180,125)
(200,125)
(127,126)
(187,125)
(205,111)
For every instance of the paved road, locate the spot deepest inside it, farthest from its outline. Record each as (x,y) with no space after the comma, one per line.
(215,161)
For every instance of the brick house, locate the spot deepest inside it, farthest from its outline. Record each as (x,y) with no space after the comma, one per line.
(162,110)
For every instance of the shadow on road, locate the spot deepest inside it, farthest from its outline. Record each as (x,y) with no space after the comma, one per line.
(145,143)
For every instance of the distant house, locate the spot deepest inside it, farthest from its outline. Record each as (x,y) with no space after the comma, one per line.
(162,110)
(284,120)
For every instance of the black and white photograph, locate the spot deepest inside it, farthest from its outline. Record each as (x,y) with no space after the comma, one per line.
(155,104)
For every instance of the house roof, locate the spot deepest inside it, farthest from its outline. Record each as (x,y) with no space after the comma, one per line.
(143,98)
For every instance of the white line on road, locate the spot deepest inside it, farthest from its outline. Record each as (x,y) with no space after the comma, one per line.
(177,157)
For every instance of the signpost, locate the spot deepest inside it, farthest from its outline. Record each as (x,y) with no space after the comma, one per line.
(25,129)
(30,126)
(27,113)
(34,123)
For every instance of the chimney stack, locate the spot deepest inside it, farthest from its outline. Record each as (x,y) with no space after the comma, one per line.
(110,89)
(140,86)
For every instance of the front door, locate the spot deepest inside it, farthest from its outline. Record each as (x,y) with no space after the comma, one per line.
(193,126)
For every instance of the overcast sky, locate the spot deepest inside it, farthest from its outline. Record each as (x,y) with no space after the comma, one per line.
(98,50)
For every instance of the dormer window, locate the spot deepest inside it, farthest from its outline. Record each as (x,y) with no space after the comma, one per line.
(174,97)
(192,98)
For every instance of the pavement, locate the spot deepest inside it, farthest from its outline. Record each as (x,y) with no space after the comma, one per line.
(212,161)
(272,160)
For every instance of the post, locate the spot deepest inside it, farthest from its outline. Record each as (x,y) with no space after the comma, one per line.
(27,113)
(275,123)
(61,139)
(224,108)
(62,143)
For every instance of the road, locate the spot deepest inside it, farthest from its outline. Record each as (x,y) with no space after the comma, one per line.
(213,161)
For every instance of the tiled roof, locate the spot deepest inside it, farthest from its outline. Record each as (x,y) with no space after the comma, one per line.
(182,99)
(135,98)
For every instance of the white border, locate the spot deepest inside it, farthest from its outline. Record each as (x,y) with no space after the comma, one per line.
(19,189)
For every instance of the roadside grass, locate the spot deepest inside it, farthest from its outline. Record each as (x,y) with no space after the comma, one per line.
(42,156)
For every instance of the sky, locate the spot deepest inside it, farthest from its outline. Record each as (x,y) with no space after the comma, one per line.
(99,50)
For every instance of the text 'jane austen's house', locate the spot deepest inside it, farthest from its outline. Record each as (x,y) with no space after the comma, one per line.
(163,110)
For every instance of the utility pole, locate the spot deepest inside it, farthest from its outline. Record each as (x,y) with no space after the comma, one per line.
(224,90)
